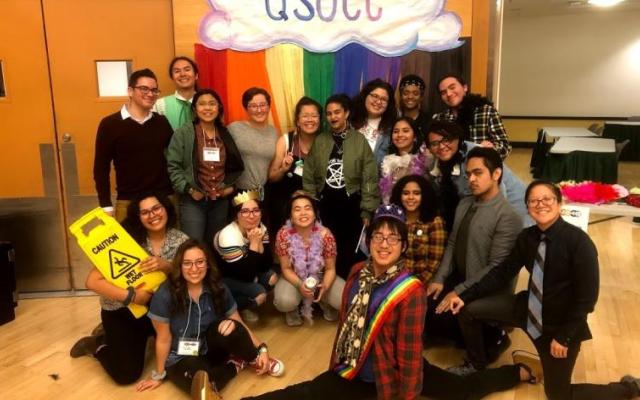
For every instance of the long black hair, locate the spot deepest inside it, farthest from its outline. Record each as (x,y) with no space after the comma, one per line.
(416,136)
(178,285)
(219,121)
(132,223)
(430,203)
(360,115)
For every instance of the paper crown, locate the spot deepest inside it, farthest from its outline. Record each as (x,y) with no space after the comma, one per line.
(244,196)
(390,210)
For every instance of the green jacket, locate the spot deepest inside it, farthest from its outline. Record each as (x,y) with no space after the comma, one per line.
(359,168)
(181,156)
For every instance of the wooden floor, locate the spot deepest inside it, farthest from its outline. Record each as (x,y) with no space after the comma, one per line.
(35,362)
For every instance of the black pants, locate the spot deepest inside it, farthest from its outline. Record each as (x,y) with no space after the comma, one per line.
(436,383)
(238,343)
(126,342)
(512,310)
(341,214)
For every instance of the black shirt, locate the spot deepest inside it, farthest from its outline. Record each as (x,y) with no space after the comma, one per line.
(570,283)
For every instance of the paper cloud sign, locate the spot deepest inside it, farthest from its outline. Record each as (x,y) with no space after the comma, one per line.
(387,27)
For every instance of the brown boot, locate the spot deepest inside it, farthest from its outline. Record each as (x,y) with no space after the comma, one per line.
(202,389)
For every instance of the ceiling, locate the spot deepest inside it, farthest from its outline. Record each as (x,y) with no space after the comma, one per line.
(526,8)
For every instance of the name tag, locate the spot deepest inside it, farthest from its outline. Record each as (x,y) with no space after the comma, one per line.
(211,154)
(188,347)
(299,168)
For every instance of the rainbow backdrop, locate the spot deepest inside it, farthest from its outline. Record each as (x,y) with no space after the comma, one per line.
(289,72)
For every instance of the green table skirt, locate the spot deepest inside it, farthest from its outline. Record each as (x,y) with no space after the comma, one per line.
(621,133)
(581,166)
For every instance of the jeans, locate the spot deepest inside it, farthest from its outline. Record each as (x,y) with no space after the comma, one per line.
(512,310)
(436,383)
(245,293)
(203,219)
(287,297)
(238,343)
(126,342)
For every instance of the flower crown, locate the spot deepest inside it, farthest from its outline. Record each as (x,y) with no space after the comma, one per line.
(244,196)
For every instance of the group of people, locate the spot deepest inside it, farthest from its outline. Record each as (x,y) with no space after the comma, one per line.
(406,229)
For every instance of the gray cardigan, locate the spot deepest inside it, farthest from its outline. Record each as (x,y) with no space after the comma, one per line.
(492,233)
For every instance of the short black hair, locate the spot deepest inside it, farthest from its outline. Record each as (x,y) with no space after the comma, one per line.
(339,98)
(303,195)
(393,224)
(219,121)
(132,223)
(254,91)
(416,136)
(446,129)
(454,75)
(306,101)
(430,203)
(235,209)
(543,182)
(141,73)
(182,58)
(490,158)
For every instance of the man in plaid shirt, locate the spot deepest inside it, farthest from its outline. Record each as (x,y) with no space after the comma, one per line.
(476,113)
(378,348)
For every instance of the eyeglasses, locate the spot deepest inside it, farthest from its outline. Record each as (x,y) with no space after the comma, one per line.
(151,211)
(446,142)
(261,106)
(392,240)
(148,90)
(200,263)
(378,98)
(547,201)
(245,212)
(310,116)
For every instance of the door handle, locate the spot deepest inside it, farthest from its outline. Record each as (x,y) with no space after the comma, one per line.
(66,137)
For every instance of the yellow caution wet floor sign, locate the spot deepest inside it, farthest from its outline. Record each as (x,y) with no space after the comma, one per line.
(114,253)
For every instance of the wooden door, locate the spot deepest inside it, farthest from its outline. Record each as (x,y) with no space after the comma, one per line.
(79,33)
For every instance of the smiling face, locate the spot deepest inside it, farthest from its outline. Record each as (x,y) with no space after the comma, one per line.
(383,254)
(258,109)
(411,197)
(376,102)
(207,108)
(543,206)
(153,215)
(442,148)
(194,266)
(452,91)
(249,215)
(302,214)
(410,97)
(183,75)
(308,121)
(403,137)
(337,117)
(144,101)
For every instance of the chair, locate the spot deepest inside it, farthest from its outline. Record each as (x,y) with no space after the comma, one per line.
(620,146)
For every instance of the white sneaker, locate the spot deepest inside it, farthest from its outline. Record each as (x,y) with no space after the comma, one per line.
(249,316)
(292,318)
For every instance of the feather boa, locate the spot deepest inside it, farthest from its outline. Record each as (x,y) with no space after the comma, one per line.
(395,167)
(307,261)
(592,192)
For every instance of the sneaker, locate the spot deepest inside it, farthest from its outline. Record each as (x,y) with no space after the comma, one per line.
(87,346)
(329,313)
(249,315)
(633,383)
(202,388)
(463,370)
(530,362)
(238,362)
(292,318)
(276,367)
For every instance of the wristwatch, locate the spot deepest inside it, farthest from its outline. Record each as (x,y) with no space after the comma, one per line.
(158,377)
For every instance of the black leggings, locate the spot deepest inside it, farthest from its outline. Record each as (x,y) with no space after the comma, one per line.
(126,342)
(436,383)
(238,343)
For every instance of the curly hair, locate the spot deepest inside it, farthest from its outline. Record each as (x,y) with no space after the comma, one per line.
(132,223)
(430,203)
(178,285)
(359,115)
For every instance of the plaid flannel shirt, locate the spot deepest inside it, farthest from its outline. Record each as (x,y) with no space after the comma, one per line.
(487,125)
(427,243)
(397,350)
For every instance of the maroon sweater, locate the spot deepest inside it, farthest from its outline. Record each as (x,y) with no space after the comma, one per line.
(138,155)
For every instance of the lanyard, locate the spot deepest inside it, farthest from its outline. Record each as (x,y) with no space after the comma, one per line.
(204,137)
(186,329)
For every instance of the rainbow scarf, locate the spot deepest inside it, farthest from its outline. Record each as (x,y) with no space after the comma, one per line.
(403,285)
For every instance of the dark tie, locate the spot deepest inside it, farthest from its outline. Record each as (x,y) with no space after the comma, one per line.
(534,316)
